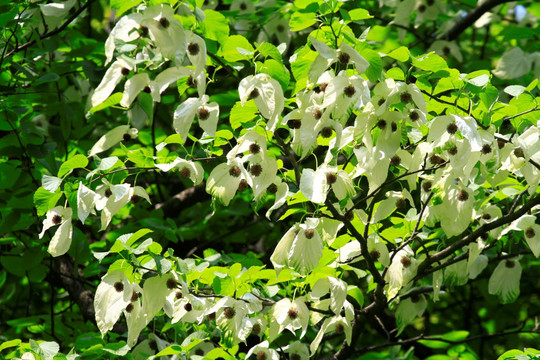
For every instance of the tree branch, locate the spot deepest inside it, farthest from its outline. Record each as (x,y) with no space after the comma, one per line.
(471,17)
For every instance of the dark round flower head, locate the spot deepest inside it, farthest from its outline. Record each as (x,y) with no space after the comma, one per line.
(453,150)
(292,313)
(406,261)
(243,185)
(317,114)
(185,172)
(188,307)
(135,199)
(426,185)
(108,193)
(381,101)
(119,286)
(147,89)
(344,58)
(127,137)
(430,2)
(191,82)
(129,308)
(331,178)
(436,159)
(178,295)
(381,124)
(280,28)
(393,127)
(413,115)
(395,160)
(422,8)
(272,189)
(203,113)
(463,195)
(254,93)
(125,71)
(446,50)
(486,216)
(349,91)
(375,255)
(405,97)
(134,296)
(243,6)
(401,203)
(57,219)
(256,329)
(509,264)
(309,233)
(452,128)
(193,49)
(295,357)
(234,171)
(172,284)
(254,148)
(326,132)
(164,22)
(255,170)
(340,329)
(153,345)
(519,152)
(530,233)
(229,312)
(295,124)
(261,355)
(143,31)
(486,149)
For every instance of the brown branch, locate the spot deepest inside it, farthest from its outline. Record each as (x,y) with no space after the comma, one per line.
(508,218)
(53,32)
(471,17)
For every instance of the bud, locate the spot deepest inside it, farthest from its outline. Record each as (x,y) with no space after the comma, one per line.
(509,264)
(405,97)
(344,58)
(317,114)
(422,8)
(254,148)
(309,233)
(486,149)
(272,189)
(254,93)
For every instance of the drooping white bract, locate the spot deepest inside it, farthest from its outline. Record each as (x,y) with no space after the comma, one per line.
(344,92)
(230,314)
(394,200)
(335,324)
(513,64)
(262,171)
(135,317)
(290,315)
(61,240)
(443,128)
(224,180)
(196,50)
(281,193)
(112,198)
(86,199)
(112,77)
(531,231)
(252,142)
(337,289)
(300,248)
(315,184)
(267,94)
(113,137)
(345,54)
(504,282)
(445,48)
(255,325)
(456,210)
(187,169)
(262,351)
(113,295)
(125,31)
(401,271)
(137,83)
(409,309)
(207,114)
(297,350)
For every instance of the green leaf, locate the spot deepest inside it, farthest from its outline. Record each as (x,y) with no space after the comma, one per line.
(374,70)
(400,54)
(44,200)
(170,350)
(431,62)
(76,162)
(122,6)
(49,77)
(215,26)
(114,99)
(243,114)
(10,343)
(359,14)
(269,50)
(276,70)
(231,49)
(356,294)
(300,21)
(224,286)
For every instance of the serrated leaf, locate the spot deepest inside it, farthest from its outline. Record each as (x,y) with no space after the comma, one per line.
(269,50)
(44,200)
(114,99)
(215,26)
(359,14)
(300,21)
(230,49)
(400,54)
(76,162)
(430,62)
